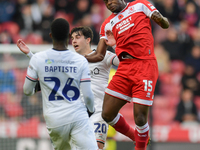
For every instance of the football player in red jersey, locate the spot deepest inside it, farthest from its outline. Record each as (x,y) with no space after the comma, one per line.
(137,72)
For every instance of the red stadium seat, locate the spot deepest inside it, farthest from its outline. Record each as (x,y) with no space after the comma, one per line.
(11,27)
(171,89)
(163,116)
(177,66)
(34,39)
(164,109)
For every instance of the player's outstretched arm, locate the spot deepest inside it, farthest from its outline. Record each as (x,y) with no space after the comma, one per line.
(99,54)
(88,96)
(24,48)
(160,20)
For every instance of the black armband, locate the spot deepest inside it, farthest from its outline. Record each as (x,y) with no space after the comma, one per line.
(37,87)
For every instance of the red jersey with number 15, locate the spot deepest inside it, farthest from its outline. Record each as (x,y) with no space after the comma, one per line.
(132,29)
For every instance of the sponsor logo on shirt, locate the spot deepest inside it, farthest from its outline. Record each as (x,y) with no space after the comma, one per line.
(50,61)
(140,135)
(95,71)
(123,23)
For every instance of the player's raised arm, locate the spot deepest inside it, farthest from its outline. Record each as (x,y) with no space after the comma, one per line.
(160,20)
(24,48)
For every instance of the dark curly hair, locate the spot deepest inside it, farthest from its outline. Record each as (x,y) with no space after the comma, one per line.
(60,29)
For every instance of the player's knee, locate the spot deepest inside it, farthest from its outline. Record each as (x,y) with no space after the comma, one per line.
(140,120)
(106,117)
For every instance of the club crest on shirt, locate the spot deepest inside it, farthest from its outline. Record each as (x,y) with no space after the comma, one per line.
(131,9)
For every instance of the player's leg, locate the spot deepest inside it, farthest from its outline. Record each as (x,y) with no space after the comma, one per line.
(143,92)
(142,127)
(60,137)
(110,114)
(100,129)
(82,135)
(118,93)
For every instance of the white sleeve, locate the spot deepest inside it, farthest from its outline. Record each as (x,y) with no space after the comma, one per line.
(29,87)
(115,61)
(85,86)
(87,95)
(31,78)
(30,54)
(111,59)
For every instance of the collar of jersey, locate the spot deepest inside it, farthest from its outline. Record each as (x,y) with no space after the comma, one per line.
(92,52)
(60,50)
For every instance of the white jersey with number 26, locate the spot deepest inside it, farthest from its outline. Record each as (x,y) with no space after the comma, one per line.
(61,71)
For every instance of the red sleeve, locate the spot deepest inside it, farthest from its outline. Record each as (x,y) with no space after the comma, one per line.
(147,7)
(105,27)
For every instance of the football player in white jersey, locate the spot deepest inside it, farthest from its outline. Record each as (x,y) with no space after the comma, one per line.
(62,74)
(81,40)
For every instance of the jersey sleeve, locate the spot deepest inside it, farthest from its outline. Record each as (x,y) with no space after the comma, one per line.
(85,87)
(148,8)
(110,58)
(105,27)
(32,71)
(85,72)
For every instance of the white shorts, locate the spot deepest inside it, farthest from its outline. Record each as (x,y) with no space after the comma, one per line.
(100,127)
(79,133)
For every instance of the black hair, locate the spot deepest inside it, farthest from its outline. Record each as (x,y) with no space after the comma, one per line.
(60,29)
(85,31)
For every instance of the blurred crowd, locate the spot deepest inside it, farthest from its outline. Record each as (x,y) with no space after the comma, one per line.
(177,95)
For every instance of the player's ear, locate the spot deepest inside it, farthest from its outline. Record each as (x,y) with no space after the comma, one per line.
(88,40)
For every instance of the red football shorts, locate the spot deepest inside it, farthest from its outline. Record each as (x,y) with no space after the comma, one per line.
(134,80)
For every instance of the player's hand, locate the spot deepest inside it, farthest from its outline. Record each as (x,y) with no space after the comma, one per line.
(22,46)
(111,40)
(90,113)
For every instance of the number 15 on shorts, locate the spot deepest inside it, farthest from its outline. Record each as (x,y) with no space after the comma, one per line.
(148,85)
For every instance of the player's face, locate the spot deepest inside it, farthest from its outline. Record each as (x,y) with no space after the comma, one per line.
(115,6)
(79,42)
